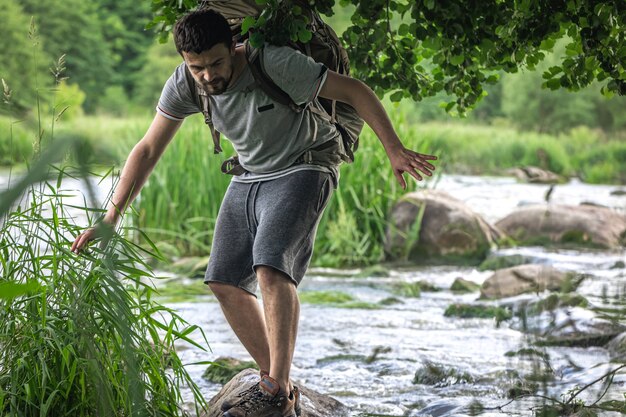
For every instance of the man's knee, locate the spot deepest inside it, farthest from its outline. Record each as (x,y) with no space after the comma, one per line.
(269,276)
(225,292)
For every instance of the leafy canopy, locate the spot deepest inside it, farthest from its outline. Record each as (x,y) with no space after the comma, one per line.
(420,48)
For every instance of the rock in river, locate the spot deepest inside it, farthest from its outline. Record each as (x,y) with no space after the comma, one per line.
(536,175)
(583,225)
(617,348)
(313,403)
(522,279)
(448,230)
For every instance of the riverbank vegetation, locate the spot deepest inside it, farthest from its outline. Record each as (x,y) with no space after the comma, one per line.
(81,335)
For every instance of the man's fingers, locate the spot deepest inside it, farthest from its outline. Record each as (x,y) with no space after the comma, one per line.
(400,178)
(80,242)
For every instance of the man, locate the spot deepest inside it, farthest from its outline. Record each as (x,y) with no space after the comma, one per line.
(268,218)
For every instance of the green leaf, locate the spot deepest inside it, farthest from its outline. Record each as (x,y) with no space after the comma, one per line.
(10,290)
(457,59)
(247,23)
(396,97)
(429,4)
(304,36)
(553,84)
(257,39)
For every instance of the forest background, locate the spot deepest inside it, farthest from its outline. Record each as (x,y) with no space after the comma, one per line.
(105,88)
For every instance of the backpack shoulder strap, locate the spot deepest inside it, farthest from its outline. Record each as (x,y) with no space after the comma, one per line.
(201,100)
(255,59)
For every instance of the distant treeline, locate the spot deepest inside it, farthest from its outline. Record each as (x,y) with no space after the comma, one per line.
(115,66)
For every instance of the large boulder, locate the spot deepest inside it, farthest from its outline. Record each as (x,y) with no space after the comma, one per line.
(522,279)
(313,403)
(449,231)
(585,225)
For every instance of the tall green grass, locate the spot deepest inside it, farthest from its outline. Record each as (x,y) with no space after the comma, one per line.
(80,335)
(180,202)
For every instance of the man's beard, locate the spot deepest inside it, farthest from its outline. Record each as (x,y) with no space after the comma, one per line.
(218,85)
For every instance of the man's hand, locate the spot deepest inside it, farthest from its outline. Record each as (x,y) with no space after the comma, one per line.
(102,229)
(405,160)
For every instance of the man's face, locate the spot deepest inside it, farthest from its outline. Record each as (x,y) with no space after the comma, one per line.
(212,69)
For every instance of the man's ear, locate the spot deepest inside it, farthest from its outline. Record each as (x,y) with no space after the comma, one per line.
(233,46)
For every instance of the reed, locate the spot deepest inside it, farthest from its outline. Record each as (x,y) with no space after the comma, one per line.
(81,335)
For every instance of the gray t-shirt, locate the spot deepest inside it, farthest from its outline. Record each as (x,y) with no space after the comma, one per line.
(268,136)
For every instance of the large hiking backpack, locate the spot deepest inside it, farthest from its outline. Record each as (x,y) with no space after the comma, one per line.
(324,47)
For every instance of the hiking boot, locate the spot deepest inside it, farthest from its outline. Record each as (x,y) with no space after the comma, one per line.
(264,399)
(231,402)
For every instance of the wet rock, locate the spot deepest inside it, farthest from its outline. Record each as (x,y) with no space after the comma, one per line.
(462,285)
(572,326)
(223,369)
(617,348)
(440,376)
(449,231)
(192,266)
(522,279)
(493,263)
(582,225)
(313,403)
(618,193)
(536,175)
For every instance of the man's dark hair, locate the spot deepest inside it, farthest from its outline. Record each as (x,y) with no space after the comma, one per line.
(200,31)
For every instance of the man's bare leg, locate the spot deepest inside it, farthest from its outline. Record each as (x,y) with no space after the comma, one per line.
(245,317)
(282,312)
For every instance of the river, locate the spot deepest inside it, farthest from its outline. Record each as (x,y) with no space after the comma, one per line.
(416,330)
(332,342)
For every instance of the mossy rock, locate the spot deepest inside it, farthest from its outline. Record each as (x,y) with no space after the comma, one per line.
(528,353)
(481,311)
(555,301)
(500,262)
(377,271)
(426,286)
(414,289)
(440,376)
(224,369)
(341,357)
(461,285)
(335,299)
(389,301)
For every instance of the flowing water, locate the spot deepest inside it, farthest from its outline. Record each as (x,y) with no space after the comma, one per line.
(334,343)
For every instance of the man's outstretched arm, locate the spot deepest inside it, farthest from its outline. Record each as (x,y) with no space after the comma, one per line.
(368,106)
(137,169)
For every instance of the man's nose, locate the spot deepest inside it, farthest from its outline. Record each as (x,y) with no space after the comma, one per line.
(207,76)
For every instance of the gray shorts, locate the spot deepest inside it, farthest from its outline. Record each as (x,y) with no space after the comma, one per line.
(271,223)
